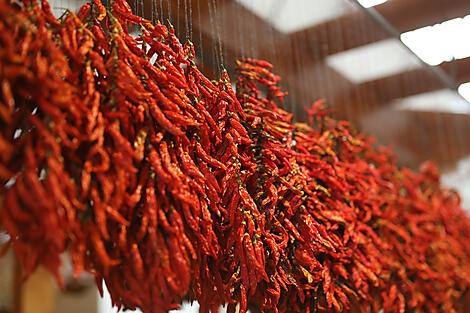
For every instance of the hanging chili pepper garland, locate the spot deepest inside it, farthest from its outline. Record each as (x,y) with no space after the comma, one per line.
(166,185)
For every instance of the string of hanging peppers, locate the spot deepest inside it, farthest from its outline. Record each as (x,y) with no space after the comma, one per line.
(167,185)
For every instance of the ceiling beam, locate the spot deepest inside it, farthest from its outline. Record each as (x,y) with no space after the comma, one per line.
(419,136)
(353,102)
(408,15)
(414,81)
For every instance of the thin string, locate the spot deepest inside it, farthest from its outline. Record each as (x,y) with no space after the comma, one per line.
(169,9)
(223,28)
(154,9)
(241,34)
(254,37)
(347,98)
(360,109)
(272,40)
(301,73)
(421,132)
(186,19)
(178,20)
(218,32)
(201,44)
(190,20)
(135,5)
(211,18)
(325,79)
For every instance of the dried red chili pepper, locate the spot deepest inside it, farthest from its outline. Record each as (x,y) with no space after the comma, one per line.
(237,214)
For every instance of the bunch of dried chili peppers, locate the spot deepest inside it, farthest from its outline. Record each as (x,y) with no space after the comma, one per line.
(167,185)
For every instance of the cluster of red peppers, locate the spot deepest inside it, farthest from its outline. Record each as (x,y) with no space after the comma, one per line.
(169,186)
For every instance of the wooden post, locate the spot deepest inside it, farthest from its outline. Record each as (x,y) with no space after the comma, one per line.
(37,293)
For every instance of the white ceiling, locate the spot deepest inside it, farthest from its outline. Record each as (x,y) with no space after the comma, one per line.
(373,61)
(370,3)
(464,90)
(288,16)
(444,100)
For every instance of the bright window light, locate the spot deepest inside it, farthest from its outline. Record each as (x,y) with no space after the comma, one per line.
(459,179)
(464,91)
(370,3)
(373,61)
(59,6)
(104,305)
(441,42)
(289,16)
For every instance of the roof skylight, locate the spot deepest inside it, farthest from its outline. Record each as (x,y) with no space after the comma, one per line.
(441,42)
